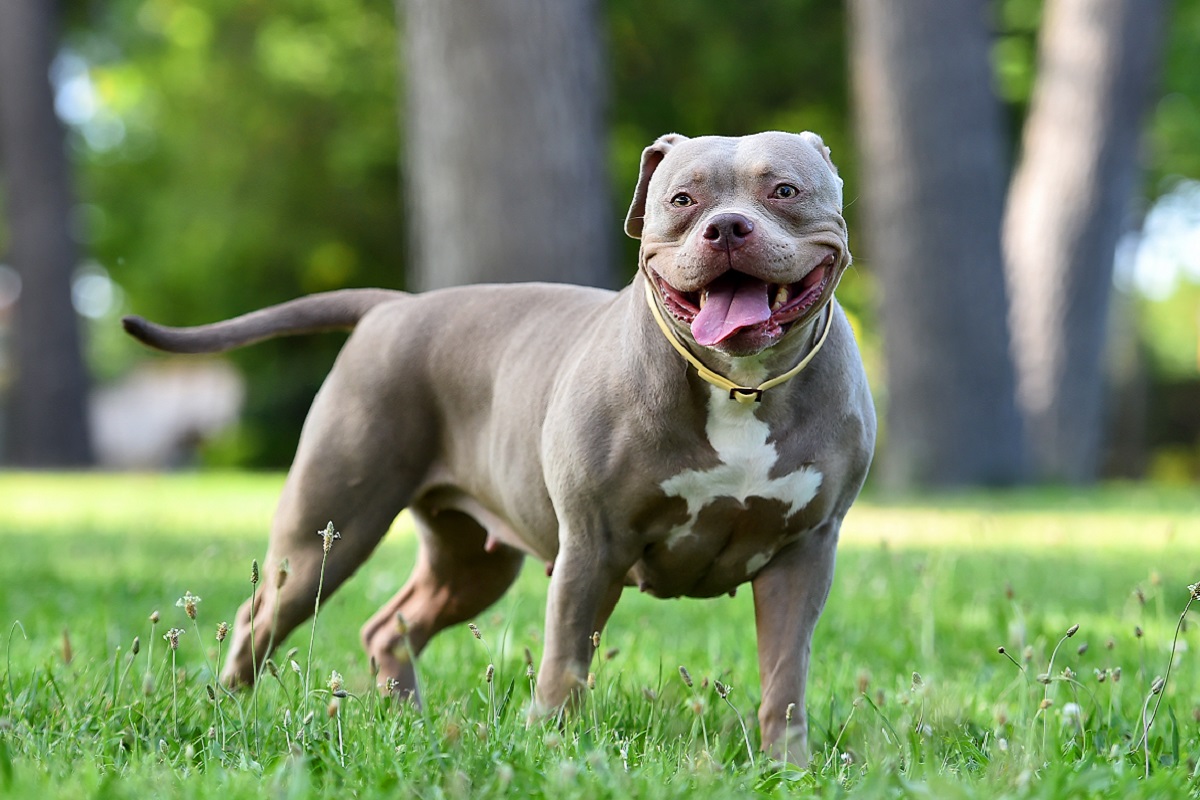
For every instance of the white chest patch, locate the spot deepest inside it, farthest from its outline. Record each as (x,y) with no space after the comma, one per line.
(740,439)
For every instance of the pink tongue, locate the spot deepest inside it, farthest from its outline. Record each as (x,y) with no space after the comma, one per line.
(734,302)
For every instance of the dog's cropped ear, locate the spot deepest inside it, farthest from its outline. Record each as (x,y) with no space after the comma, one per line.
(817,143)
(652,156)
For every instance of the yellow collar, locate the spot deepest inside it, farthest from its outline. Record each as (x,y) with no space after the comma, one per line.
(742,394)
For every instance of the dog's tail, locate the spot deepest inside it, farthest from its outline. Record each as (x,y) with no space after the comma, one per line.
(330,311)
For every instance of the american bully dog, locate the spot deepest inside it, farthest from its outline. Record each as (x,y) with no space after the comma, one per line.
(707,426)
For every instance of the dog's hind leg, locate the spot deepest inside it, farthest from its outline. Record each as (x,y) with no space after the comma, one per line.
(456,577)
(293,571)
(350,469)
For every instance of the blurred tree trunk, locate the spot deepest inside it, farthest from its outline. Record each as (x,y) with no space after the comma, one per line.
(931,140)
(47,420)
(1067,206)
(506,156)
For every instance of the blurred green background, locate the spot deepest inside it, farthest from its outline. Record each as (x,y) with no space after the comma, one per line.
(230,154)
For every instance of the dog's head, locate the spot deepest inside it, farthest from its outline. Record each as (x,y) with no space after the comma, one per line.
(742,238)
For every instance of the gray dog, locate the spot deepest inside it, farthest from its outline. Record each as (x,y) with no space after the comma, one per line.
(707,426)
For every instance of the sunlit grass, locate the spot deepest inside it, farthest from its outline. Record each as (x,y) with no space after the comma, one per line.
(931,586)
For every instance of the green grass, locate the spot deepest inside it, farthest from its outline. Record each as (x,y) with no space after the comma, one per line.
(927,585)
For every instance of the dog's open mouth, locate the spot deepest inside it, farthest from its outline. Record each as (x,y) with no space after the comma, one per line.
(735,302)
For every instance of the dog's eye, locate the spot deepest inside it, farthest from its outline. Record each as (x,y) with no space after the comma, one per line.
(682,200)
(785,191)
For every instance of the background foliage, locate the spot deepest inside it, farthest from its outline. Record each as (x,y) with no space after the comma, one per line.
(236,154)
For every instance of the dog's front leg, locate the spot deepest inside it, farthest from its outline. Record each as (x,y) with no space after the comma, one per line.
(584,589)
(789,594)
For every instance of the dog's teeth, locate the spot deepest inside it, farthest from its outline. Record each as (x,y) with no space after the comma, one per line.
(703,298)
(781,298)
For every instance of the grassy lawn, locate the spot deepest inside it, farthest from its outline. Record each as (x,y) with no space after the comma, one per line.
(908,698)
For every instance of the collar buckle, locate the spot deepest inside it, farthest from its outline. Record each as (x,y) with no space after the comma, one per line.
(745,395)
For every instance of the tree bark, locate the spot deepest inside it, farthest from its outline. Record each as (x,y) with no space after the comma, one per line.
(933,165)
(47,419)
(505,147)
(1069,199)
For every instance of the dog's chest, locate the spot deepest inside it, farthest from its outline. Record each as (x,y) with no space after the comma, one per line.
(740,511)
(747,460)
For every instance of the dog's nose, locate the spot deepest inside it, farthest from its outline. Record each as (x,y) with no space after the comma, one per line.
(728,231)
